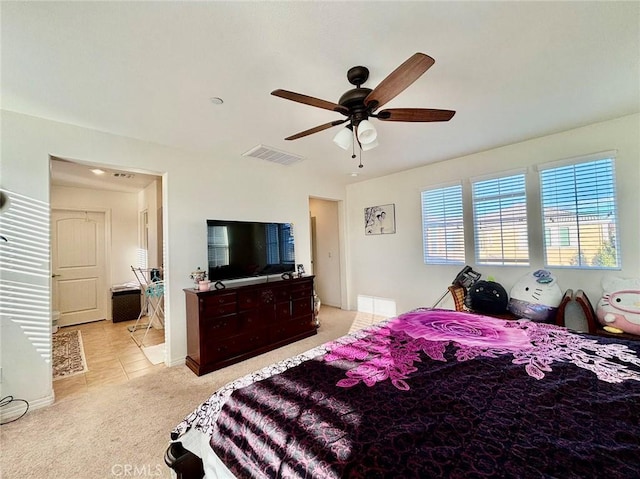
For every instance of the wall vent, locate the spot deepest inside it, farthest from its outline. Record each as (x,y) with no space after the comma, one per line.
(271,154)
(123,175)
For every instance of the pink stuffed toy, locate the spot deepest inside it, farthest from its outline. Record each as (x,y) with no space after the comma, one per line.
(619,306)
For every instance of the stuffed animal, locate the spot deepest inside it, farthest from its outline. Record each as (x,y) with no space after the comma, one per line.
(487,297)
(619,306)
(536,296)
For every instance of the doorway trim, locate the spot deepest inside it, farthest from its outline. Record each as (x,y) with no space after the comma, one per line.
(163,246)
(342,246)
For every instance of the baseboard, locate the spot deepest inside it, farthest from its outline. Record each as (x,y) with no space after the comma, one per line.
(177,362)
(14,411)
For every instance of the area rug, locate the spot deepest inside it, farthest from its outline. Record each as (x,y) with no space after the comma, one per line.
(68,354)
(155,354)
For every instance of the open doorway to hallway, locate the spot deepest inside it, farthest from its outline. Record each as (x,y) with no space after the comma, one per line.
(129,207)
(326,255)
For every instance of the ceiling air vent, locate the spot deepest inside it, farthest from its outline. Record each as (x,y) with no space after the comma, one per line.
(124,175)
(271,154)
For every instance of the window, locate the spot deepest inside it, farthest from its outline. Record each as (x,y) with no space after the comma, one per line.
(442,226)
(579,209)
(500,221)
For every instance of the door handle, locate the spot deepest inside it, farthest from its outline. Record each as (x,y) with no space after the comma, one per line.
(55,275)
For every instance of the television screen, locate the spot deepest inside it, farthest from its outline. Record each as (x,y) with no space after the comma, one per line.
(243,249)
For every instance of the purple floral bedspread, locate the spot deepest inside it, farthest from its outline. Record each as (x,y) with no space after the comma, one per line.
(437,394)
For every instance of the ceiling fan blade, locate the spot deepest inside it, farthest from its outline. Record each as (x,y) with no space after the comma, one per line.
(398,80)
(311,131)
(415,114)
(309,100)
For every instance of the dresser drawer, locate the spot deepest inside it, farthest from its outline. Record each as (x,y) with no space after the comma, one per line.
(221,327)
(299,325)
(281,294)
(302,291)
(283,311)
(255,319)
(217,305)
(248,299)
(234,346)
(301,306)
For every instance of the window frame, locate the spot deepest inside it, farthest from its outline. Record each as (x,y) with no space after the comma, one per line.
(451,222)
(612,227)
(505,228)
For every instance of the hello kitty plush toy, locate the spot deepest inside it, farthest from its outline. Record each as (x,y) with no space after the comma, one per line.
(619,306)
(536,296)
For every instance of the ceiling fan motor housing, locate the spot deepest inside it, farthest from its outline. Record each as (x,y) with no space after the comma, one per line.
(354,101)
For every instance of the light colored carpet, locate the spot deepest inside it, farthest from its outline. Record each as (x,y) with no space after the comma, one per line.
(68,354)
(106,432)
(155,354)
(364,320)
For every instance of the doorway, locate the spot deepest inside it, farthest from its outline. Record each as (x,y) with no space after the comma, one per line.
(116,218)
(325,248)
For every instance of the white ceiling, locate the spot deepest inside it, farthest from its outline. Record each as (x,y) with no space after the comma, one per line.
(511,70)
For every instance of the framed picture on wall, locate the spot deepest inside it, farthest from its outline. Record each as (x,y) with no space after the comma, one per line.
(380,220)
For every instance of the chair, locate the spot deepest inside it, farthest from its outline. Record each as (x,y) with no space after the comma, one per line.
(458,293)
(153,293)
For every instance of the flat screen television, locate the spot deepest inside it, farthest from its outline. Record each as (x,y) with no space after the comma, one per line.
(245,249)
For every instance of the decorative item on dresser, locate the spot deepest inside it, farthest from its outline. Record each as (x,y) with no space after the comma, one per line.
(233,324)
(197,276)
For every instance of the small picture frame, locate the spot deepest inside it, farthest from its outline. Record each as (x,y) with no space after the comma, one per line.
(380,220)
(300,269)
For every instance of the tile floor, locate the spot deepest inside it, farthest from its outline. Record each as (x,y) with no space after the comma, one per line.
(112,357)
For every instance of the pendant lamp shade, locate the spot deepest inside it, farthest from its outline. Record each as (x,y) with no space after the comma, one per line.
(369,146)
(344,138)
(366,132)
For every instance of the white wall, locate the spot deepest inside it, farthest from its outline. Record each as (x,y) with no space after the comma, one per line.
(392,266)
(195,187)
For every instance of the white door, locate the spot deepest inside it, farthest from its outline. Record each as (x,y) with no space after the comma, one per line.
(78,263)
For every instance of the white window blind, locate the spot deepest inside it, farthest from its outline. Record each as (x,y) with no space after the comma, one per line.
(218,246)
(442,226)
(24,270)
(579,212)
(286,240)
(500,221)
(279,243)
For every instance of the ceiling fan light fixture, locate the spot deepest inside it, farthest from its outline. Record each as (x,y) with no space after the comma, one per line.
(344,138)
(369,146)
(366,132)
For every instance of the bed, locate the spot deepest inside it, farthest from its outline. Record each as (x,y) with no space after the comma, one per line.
(430,393)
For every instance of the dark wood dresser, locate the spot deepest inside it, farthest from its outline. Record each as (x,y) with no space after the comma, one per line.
(230,325)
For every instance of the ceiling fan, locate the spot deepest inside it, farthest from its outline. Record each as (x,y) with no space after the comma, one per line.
(360,103)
